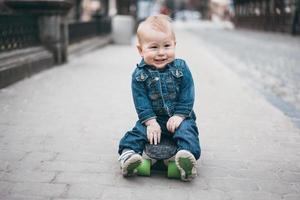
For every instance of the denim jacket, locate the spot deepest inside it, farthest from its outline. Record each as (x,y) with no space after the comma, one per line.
(163,93)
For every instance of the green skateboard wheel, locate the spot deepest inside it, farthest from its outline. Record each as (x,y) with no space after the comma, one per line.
(144,168)
(173,171)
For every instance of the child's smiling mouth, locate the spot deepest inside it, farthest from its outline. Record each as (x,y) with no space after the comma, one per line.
(160,60)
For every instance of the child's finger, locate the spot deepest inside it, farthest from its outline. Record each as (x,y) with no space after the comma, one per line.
(175,126)
(168,125)
(158,138)
(151,138)
(155,138)
(148,135)
(172,127)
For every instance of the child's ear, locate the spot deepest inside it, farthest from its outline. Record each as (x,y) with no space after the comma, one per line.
(138,46)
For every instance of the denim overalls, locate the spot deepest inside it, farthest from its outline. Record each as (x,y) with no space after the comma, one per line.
(161,94)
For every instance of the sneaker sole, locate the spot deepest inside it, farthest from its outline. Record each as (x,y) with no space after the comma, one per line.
(186,165)
(132,166)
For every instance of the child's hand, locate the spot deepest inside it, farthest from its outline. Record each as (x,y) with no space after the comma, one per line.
(153,131)
(174,122)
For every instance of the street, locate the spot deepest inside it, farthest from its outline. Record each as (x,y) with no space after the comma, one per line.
(60,129)
(268,61)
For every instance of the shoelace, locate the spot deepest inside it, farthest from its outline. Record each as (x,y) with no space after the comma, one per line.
(125,155)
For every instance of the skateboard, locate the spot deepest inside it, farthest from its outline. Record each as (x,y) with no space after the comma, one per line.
(159,158)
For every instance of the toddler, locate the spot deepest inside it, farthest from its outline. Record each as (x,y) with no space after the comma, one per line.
(163,94)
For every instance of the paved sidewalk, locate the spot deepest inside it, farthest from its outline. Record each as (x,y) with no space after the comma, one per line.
(59,133)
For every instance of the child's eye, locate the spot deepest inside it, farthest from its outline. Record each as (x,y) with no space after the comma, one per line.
(167,45)
(153,47)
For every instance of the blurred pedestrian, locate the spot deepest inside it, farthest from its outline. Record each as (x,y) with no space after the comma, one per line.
(165,10)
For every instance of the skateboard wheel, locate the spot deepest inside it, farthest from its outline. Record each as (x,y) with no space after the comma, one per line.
(144,168)
(173,171)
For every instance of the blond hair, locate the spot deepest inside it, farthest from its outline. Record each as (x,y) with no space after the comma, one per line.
(161,23)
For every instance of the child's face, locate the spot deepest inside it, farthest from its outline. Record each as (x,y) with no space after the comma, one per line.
(157,48)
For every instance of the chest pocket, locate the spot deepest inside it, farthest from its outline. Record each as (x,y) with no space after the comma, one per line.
(140,77)
(151,84)
(174,81)
(177,73)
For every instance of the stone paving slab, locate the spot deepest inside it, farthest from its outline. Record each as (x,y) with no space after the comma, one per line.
(59,133)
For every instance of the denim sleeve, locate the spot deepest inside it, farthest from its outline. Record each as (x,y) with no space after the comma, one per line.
(185,103)
(141,100)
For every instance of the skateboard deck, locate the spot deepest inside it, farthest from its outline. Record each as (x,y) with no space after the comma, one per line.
(165,150)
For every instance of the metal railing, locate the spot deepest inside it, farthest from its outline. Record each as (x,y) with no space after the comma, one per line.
(18,31)
(82,30)
(21,31)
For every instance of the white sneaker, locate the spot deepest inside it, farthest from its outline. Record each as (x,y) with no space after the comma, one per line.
(129,161)
(186,163)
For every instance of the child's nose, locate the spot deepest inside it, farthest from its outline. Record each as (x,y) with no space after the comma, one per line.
(161,51)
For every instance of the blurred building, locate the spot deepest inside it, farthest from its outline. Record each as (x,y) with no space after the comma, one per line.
(268,15)
(38,34)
